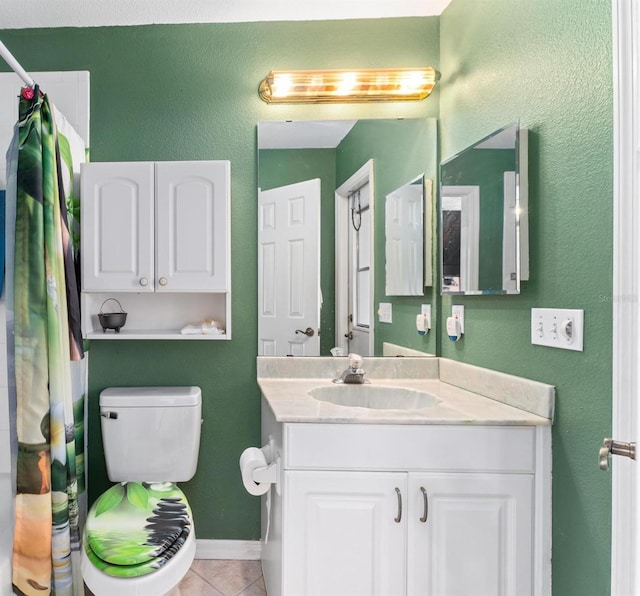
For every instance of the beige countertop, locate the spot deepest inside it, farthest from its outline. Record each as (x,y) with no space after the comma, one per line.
(290,401)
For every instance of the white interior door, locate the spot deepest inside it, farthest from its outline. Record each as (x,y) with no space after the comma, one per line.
(354,263)
(360,266)
(289,270)
(404,231)
(625,555)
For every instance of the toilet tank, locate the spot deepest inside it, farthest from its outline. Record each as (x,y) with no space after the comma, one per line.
(151,434)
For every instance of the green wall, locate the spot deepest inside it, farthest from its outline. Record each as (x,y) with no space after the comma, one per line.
(549,64)
(190,92)
(175,92)
(401,150)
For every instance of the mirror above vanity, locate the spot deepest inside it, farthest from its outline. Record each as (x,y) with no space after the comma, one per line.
(344,170)
(483,216)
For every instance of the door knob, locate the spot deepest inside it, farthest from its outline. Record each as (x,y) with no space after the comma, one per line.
(611,447)
(349,335)
(309,332)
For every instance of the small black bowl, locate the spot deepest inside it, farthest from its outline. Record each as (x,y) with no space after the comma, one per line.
(113,320)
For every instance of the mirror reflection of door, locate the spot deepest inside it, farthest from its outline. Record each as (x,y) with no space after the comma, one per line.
(359,270)
(404,240)
(354,262)
(288,270)
(460,238)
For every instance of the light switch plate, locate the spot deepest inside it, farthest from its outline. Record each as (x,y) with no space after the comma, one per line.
(558,328)
(385,312)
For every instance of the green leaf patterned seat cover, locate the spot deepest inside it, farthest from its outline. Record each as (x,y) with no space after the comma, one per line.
(134,528)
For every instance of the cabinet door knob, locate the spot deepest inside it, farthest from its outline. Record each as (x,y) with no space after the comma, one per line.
(425,498)
(163,281)
(143,281)
(398,518)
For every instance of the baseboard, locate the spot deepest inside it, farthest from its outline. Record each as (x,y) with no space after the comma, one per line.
(228,549)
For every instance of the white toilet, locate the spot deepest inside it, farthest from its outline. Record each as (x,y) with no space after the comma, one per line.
(139,539)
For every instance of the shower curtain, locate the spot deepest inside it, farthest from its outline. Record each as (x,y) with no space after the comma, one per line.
(47,369)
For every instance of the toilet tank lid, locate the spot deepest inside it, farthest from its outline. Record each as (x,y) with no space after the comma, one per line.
(140,397)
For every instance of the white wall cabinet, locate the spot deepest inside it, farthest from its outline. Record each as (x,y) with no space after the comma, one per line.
(156,236)
(419,510)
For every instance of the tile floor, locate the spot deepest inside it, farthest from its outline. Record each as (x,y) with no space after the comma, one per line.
(213,577)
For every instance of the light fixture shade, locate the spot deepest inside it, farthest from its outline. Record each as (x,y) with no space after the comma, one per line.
(332,86)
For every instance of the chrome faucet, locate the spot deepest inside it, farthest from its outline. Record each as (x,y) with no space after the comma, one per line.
(354,373)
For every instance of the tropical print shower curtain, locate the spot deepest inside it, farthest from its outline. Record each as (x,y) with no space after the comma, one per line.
(48,364)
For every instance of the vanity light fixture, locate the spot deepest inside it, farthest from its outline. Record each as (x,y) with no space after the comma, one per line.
(334,86)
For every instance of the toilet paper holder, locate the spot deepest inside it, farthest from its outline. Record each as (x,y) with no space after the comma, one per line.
(271,472)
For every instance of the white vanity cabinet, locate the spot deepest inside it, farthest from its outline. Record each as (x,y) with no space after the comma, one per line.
(423,510)
(342,538)
(156,236)
(470,533)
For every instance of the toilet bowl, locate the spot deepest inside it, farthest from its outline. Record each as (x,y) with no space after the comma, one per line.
(139,537)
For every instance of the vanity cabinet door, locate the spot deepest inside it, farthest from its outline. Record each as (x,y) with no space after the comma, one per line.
(477,537)
(192,231)
(117,226)
(340,535)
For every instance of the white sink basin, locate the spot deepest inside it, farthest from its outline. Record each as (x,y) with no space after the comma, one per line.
(375,397)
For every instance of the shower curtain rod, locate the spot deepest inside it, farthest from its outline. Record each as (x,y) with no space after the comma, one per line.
(15,65)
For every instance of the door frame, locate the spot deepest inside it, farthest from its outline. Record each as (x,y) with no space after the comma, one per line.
(625,547)
(342,215)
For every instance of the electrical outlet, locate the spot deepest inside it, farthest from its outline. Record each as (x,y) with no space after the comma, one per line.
(558,328)
(385,312)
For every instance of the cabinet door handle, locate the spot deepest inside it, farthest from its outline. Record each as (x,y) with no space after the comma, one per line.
(399,516)
(143,281)
(425,498)
(163,281)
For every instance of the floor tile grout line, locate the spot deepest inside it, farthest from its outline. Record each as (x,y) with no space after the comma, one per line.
(255,581)
(204,579)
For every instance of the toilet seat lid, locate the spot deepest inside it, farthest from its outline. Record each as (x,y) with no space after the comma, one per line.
(134,522)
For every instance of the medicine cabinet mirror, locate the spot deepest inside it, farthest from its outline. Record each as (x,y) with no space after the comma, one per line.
(483,216)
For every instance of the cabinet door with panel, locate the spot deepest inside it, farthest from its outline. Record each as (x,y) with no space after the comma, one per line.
(118,231)
(192,232)
(470,533)
(344,533)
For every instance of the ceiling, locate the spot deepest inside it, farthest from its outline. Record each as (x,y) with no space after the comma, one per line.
(313,134)
(18,14)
